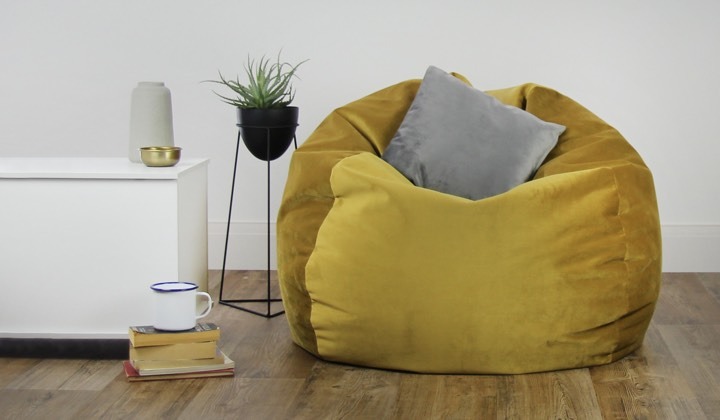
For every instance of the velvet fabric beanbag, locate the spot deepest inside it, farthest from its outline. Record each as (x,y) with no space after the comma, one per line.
(560,272)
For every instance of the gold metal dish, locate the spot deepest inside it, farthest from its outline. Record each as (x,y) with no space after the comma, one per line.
(160,155)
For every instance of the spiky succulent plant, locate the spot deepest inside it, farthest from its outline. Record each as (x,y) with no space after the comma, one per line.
(269,85)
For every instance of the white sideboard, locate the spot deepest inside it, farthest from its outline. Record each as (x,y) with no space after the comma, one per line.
(82,240)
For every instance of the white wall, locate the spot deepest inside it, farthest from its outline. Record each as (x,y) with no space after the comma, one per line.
(650,68)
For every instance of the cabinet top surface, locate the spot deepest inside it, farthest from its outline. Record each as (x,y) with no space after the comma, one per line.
(90,168)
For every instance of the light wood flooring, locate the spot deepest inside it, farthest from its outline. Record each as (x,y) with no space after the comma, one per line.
(675,375)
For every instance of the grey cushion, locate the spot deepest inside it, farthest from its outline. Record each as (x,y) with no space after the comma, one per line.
(459,140)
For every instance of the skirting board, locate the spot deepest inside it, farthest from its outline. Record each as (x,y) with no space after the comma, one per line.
(247,246)
(64,348)
(686,248)
(691,248)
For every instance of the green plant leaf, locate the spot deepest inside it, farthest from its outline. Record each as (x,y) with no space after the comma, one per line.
(269,84)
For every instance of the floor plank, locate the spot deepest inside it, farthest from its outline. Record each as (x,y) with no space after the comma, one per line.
(43,404)
(695,348)
(647,384)
(684,300)
(13,368)
(557,395)
(462,397)
(246,398)
(49,374)
(335,391)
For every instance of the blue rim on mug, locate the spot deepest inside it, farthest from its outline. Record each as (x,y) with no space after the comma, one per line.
(173,286)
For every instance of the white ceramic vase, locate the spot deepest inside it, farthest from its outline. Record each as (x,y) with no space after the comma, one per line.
(150,118)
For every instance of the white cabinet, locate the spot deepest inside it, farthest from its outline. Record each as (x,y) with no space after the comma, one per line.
(82,240)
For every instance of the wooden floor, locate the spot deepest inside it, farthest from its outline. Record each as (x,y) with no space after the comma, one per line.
(675,375)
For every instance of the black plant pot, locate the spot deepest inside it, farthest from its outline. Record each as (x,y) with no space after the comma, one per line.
(277,125)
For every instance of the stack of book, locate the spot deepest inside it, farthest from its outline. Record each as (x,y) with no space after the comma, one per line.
(156,355)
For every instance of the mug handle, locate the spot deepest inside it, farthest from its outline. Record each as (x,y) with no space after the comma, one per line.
(210,304)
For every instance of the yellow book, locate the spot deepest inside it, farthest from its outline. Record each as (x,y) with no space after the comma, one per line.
(171,367)
(200,350)
(141,336)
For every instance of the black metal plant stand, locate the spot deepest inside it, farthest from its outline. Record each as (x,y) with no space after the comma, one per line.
(268,300)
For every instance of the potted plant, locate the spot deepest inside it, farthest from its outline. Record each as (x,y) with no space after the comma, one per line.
(266,120)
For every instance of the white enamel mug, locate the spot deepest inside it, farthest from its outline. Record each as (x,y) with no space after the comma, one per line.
(176,305)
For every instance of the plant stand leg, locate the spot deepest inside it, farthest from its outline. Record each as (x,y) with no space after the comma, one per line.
(268,299)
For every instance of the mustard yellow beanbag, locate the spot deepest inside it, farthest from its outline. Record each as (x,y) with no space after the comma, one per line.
(560,272)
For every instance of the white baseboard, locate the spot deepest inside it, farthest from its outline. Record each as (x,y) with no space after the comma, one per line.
(691,248)
(247,246)
(686,248)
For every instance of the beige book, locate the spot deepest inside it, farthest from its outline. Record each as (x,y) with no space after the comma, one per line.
(168,367)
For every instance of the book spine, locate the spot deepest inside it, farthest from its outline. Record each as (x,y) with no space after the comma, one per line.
(180,351)
(138,339)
